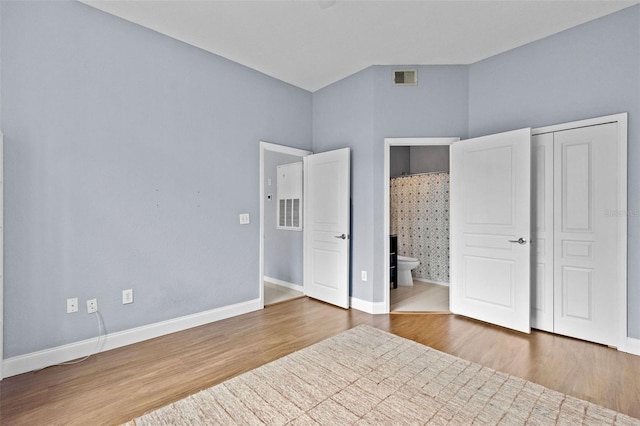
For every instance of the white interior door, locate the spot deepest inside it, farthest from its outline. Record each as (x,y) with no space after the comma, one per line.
(490,228)
(586,254)
(327,226)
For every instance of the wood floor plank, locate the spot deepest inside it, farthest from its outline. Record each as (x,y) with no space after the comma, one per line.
(116,386)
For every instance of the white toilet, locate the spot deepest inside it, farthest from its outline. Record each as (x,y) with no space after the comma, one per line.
(405,265)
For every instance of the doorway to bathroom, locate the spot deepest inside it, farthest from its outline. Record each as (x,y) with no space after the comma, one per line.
(417,223)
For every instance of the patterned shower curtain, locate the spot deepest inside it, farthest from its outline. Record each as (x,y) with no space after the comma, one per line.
(420,217)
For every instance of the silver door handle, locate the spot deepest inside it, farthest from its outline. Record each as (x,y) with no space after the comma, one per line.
(519,241)
(342,237)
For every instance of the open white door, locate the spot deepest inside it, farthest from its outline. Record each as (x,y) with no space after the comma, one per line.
(490,229)
(326,226)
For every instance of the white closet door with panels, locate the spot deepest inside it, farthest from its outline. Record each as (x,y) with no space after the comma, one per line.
(576,255)
(585,236)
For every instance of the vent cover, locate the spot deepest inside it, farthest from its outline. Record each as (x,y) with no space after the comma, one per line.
(289,194)
(405,77)
(289,214)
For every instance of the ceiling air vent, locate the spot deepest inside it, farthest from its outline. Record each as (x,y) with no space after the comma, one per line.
(405,77)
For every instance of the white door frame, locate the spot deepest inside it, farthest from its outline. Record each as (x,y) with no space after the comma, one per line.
(1,251)
(625,344)
(388,143)
(267,146)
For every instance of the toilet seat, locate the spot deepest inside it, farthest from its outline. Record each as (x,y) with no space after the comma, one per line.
(407,259)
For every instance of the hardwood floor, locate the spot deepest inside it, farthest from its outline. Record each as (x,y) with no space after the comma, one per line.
(116,386)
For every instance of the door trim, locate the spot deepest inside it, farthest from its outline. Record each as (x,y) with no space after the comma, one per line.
(625,343)
(283,149)
(1,252)
(388,143)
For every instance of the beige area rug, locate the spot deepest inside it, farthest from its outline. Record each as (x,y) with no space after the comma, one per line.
(365,376)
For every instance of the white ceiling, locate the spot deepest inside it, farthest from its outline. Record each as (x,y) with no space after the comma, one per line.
(309,45)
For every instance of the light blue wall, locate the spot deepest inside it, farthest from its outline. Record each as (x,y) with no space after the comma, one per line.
(343,117)
(282,248)
(128,157)
(588,71)
(359,112)
(584,72)
(436,107)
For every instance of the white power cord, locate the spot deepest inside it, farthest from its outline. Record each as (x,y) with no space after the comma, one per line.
(96,350)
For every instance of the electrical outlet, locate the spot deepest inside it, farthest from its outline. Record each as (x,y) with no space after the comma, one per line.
(127,296)
(92,306)
(244,218)
(363,275)
(72,305)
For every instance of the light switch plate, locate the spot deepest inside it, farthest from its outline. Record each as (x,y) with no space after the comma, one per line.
(244,219)
(127,296)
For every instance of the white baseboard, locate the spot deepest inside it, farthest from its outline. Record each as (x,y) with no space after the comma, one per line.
(41,359)
(369,307)
(632,347)
(424,280)
(284,283)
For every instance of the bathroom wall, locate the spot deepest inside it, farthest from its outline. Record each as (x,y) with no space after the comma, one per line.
(399,160)
(428,159)
(282,248)
(405,160)
(128,157)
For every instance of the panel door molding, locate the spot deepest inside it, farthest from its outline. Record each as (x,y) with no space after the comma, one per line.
(490,228)
(585,237)
(327,226)
(579,258)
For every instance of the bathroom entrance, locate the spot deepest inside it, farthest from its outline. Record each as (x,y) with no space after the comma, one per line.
(417,220)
